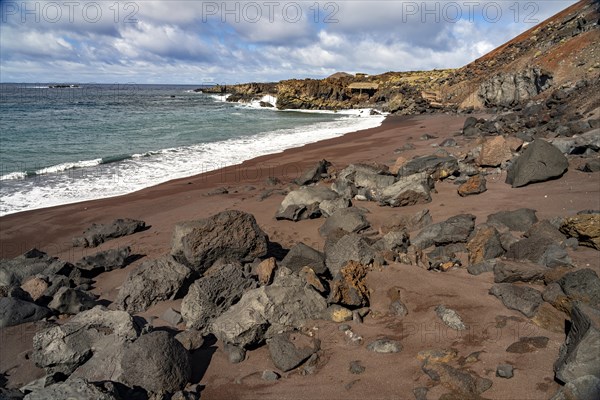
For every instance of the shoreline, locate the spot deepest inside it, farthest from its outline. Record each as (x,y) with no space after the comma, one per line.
(89,179)
(285,165)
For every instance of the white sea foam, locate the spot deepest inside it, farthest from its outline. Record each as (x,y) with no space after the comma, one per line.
(13,176)
(52,169)
(265,99)
(96,180)
(220,97)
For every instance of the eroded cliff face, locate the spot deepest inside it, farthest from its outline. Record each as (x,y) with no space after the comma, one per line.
(510,89)
(313,94)
(560,51)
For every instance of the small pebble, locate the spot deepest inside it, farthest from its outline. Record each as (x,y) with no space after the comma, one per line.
(356,317)
(385,346)
(356,367)
(234,353)
(504,371)
(420,393)
(270,376)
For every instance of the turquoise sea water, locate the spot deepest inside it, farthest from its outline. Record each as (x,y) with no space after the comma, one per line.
(63,145)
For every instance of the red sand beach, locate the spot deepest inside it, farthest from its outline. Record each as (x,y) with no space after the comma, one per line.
(492,327)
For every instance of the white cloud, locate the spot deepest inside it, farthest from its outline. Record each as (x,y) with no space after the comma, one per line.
(146,40)
(188,41)
(32,43)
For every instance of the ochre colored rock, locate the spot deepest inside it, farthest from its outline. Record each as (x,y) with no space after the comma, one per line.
(400,161)
(35,287)
(474,185)
(265,269)
(349,286)
(484,245)
(585,228)
(494,152)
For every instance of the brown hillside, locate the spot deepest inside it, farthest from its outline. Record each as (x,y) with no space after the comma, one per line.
(566,46)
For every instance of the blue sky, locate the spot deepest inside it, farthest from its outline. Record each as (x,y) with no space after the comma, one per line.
(195,42)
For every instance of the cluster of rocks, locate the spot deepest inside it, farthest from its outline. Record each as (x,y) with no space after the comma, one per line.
(35,285)
(410,182)
(230,285)
(555,119)
(533,272)
(233,288)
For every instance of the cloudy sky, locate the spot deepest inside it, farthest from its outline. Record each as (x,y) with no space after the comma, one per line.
(195,42)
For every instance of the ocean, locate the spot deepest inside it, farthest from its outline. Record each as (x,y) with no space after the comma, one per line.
(70,144)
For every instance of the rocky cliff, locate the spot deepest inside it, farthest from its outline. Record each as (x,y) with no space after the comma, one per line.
(562,50)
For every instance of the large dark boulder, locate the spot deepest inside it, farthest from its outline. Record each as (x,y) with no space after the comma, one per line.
(407,191)
(539,162)
(15,312)
(578,356)
(582,285)
(516,220)
(541,250)
(351,247)
(74,388)
(456,229)
(545,229)
(14,271)
(521,298)
(229,236)
(104,261)
(63,348)
(153,281)
(290,349)
(301,256)
(157,363)
(514,271)
(97,234)
(314,173)
(304,202)
(351,220)
(434,166)
(262,313)
(213,294)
